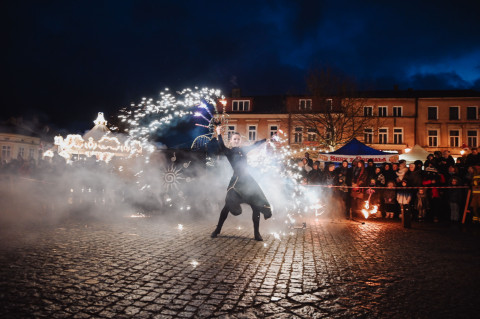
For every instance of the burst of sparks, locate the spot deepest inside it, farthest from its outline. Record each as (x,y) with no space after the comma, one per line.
(276,235)
(150,116)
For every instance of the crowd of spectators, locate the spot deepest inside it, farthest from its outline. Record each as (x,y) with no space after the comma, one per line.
(431,190)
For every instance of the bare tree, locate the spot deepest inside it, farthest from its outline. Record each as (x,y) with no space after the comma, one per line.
(336,114)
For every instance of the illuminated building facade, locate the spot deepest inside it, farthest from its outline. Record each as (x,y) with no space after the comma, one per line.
(435,120)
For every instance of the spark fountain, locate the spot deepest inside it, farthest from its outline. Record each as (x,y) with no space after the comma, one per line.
(272,161)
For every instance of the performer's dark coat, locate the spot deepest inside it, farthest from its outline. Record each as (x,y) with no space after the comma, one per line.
(242,187)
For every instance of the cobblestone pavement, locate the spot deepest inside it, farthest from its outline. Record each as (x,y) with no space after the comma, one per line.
(145,268)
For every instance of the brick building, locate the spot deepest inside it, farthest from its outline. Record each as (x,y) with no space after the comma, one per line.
(436,120)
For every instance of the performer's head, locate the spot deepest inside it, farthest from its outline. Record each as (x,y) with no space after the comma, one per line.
(235,139)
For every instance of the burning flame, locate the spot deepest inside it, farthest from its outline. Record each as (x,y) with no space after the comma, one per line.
(367,211)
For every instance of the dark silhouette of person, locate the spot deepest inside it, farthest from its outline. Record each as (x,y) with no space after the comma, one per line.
(242,187)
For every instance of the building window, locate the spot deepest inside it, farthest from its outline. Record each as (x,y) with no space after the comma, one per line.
(454,113)
(21,152)
(383,135)
(398,111)
(252,132)
(367,110)
(298,134)
(273,130)
(6,152)
(31,153)
(472,113)
(472,138)
(368,135)
(311,134)
(305,104)
(454,138)
(433,112)
(230,130)
(241,105)
(382,111)
(432,138)
(397,135)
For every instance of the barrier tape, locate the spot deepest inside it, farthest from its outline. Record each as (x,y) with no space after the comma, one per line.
(384,187)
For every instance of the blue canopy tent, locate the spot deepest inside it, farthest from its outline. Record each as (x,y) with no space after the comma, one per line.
(357,150)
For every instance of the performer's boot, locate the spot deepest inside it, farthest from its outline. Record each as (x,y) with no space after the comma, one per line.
(256,225)
(221,220)
(267,212)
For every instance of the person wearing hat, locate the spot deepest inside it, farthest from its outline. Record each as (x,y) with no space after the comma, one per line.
(242,187)
(314,177)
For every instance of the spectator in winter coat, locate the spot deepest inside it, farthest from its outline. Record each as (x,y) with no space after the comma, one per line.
(389,200)
(404,197)
(430,159)
(445,161)
(329,175)
(402,170)
(421,204)
(345,171)
(473,158)
(309,160)
(455,198)
(379,177)
(432,179)
(414,176)
(370,168)
(314,177)
(388,172)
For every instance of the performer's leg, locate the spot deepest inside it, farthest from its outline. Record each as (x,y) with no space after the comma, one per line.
(221,220)
(256,223)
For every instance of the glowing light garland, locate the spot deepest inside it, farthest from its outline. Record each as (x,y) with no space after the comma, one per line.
(105,148)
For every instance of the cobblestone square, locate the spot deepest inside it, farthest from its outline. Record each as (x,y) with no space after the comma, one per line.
(147,268)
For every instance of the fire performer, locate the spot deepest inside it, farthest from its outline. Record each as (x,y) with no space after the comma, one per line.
(242,187)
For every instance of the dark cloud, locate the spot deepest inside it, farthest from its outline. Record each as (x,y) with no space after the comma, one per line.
(70,59)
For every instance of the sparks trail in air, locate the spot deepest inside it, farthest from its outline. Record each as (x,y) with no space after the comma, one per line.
(276,157)
(151,117)
(213,119)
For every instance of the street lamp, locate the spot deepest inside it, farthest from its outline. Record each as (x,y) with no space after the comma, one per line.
(407,149)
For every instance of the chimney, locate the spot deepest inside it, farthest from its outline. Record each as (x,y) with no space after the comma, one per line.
(236,93)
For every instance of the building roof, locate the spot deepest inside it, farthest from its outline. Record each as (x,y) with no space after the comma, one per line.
(410,93)
(11,128)
(269,104)
(276,104)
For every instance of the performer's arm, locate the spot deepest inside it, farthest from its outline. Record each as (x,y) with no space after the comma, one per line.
(247,149)
(220,139)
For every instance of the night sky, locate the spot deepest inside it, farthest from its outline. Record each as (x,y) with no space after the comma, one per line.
(64,61)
